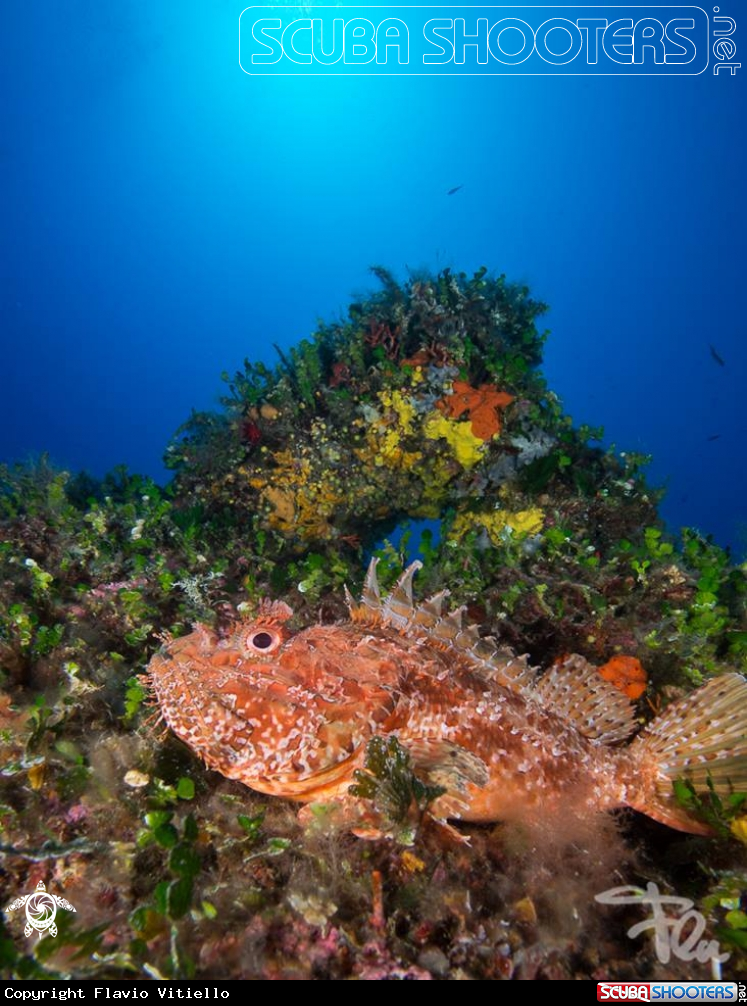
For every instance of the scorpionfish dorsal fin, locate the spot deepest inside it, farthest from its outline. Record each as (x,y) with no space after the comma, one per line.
(443,629)
(574,690)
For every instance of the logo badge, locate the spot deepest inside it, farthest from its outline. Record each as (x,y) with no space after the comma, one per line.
(41,910)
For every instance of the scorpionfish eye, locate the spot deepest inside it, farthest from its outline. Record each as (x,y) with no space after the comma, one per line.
(261,641)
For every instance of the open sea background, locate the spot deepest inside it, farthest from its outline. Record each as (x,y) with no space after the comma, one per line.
(166,215)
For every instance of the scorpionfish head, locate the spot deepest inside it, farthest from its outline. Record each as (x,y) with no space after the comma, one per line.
(285,713)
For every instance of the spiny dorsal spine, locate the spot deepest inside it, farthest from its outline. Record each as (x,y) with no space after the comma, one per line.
(445,630)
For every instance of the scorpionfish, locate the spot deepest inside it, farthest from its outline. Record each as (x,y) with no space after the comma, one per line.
(292,714)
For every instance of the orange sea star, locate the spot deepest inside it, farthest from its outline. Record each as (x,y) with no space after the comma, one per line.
(484,405)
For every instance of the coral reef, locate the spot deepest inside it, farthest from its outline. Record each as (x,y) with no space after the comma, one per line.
(425,402)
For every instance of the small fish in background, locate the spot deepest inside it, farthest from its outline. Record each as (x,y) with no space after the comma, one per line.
(713,436)
(716,356)
(455,189)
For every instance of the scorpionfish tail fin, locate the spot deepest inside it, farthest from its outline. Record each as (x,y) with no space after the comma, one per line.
(701,739)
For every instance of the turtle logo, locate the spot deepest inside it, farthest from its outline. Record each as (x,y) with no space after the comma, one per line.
(41,909)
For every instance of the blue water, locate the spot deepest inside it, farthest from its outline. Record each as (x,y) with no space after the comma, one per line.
(166,215)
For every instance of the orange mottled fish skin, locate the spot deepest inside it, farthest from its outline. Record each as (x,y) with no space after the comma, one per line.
(291,714)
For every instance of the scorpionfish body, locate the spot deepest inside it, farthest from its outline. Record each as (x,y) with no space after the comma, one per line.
(292,714)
